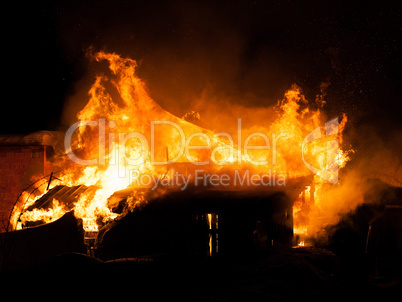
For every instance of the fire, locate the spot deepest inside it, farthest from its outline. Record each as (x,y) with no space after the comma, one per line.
(312,209)
(112,135)
(55,212)
(209,220)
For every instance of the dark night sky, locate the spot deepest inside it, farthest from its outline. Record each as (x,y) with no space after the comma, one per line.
(249,51)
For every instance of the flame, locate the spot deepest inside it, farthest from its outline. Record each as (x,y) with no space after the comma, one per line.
(209,216)
(313,210)
(55,212)
(124,122)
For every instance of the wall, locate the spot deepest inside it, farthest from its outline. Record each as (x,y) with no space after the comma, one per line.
(19,165)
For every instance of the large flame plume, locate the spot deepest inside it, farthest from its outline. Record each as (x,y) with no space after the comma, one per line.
(121,104)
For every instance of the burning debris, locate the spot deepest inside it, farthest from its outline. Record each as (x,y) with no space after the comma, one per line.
(52,205)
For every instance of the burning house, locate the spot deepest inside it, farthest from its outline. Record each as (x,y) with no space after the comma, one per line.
(197,221)
(134,181)
(124,160)
(205,150)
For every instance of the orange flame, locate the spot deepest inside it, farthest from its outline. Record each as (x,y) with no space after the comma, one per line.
(125,123)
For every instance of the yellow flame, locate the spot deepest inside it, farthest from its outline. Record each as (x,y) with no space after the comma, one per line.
(55,212)
(134,114)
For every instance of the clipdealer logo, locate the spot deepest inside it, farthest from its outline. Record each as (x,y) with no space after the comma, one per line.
(331,169)
(129,167)
(201,178)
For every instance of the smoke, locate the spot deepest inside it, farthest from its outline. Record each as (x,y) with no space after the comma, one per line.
(235,59)
(379,153)
(374,168)
(244,52)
